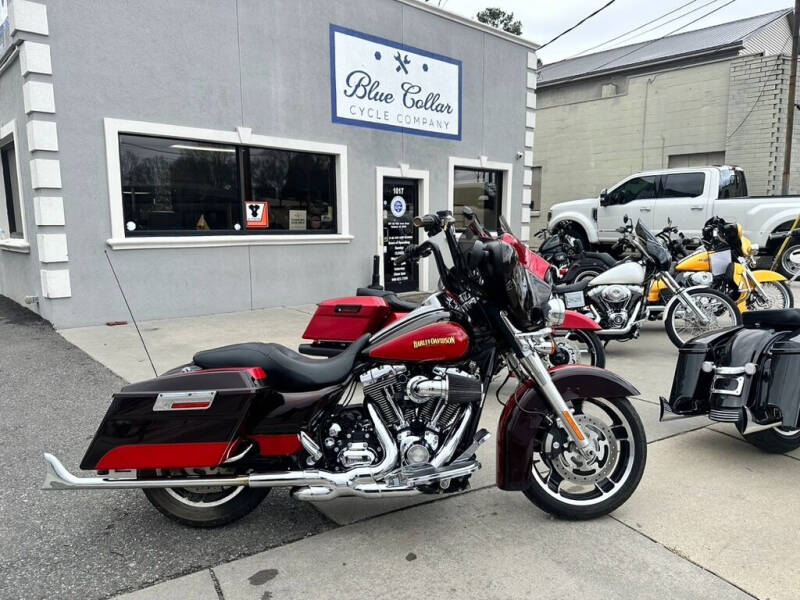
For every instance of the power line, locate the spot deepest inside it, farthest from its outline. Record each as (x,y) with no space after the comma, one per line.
(581,22)
(646,44)
(702,6)
(621,35)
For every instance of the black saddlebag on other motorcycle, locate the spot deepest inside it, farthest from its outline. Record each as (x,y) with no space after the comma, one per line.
(184,419)
(744,375)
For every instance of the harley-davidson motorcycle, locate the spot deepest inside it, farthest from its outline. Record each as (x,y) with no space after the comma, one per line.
(618,297)
(339,322)
(207,441)
(569,254)
(746,376)
(726,262)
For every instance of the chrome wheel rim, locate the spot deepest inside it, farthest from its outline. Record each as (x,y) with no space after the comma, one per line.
(566,475)
(786,432)
(718,312)
(205,497)
(772,296)
(789,266)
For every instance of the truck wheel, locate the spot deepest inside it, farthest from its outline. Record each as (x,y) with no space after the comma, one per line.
(204,507)
(786,266)
(578,233)
(776,441)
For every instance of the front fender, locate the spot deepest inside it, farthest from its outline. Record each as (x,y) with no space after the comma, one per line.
(526,408)
(762,275)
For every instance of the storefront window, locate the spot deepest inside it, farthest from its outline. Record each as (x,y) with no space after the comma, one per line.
(172,186)
(480,189)
(297,187)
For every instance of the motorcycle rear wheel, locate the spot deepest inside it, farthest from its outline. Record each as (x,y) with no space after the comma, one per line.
(567,489)
(776,440)
(682,325)
(204,507)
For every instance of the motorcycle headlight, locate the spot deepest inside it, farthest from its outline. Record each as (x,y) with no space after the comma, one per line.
(556,312)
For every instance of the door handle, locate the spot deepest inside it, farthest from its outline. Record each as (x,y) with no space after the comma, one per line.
(697,208)
(644,209)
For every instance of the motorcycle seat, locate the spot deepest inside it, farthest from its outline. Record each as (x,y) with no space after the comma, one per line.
(566,288)
(286,370)
(783,319)
(603,257)
(391,298)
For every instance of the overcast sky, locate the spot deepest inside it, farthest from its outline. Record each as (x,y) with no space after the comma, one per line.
(544,19)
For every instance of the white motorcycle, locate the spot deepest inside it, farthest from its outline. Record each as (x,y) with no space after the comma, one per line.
(617,298)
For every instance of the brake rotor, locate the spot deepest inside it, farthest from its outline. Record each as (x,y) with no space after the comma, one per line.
(574,467)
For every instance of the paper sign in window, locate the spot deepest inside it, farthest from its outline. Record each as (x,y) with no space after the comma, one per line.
(257,215)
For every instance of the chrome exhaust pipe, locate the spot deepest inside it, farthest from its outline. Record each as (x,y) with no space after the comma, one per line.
(748,425)
(57,477)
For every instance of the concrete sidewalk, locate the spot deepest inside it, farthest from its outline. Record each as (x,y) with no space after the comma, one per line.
(713,517)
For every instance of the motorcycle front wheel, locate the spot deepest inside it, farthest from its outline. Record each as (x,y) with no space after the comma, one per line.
(682,324)
(204,507)
(777,295)
(568,486)
(577,347)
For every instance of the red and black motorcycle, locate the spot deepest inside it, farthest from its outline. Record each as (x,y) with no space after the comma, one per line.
(208,440)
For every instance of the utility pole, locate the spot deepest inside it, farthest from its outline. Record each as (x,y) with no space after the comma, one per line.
(787,153)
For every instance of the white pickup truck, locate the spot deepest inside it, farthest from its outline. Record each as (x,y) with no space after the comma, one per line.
(689,197)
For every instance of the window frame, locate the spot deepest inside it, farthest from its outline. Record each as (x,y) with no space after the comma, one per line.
(482,163)
(242,136)
(9,135)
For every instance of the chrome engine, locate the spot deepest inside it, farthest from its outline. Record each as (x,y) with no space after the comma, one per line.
(421,412)
(616,300)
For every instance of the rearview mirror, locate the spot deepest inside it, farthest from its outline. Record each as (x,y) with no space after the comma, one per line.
(604,197)
(417,221)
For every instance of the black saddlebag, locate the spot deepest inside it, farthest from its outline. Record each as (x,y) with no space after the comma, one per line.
(183,420)
(691,385)
(784,381)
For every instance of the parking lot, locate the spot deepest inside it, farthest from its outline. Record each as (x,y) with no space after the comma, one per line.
(713,516)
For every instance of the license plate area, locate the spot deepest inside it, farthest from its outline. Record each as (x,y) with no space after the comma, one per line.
(727,385)
(574,300)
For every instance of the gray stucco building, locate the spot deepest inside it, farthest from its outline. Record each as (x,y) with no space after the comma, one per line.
(711,96)
(239,154)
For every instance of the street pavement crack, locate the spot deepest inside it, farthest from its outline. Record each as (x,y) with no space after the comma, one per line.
(217,586)
(683,557)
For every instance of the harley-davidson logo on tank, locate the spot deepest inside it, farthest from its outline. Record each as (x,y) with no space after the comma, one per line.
(386,85)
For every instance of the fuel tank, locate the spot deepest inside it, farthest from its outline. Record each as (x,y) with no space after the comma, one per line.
(626,273)
(697,261)
(422,336)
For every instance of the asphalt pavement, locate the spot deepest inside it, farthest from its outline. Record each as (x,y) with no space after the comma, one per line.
(92,545)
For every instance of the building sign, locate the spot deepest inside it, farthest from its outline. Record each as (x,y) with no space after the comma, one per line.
(382,84)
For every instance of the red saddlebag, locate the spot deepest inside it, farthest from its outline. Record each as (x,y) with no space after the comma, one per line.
(175,421)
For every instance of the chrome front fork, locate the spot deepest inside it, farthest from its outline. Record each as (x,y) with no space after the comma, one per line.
(532,366)
(685,298)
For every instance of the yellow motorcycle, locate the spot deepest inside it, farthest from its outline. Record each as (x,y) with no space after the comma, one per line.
(726,262)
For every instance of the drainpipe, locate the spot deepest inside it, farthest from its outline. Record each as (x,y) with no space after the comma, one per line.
(644,115)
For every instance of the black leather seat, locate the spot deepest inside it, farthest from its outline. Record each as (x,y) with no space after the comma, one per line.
(603,257)
(286,370)
(565,288)
(786,318)
(391,298)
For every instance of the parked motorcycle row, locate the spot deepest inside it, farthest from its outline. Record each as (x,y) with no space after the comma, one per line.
(386,397)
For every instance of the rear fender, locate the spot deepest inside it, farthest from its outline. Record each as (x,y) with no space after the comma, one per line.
(525,410)
(576,320)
